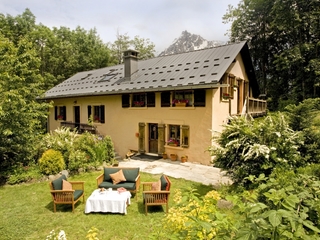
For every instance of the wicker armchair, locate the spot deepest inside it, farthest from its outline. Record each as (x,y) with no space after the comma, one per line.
(61,196)
(156,197)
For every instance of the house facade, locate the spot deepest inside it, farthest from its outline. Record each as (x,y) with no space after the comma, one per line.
(166,104)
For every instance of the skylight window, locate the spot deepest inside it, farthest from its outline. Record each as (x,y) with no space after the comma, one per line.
(108,76)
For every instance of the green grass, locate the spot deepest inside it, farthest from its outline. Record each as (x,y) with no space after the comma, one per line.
(26,212)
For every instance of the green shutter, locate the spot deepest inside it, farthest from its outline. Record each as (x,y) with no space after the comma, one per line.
(185,136)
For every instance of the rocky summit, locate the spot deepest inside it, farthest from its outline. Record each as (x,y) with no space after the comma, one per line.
(189,42)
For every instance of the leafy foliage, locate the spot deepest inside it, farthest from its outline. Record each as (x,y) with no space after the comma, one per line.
(79,150)
(304,117)
(248,147)
(284,42)
(284,206)
(195,217)
(51,162)
(21,116)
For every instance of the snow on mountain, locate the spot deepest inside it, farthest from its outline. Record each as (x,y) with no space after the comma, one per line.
(189,42)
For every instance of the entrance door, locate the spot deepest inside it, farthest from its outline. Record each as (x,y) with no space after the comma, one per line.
(77,117)
(153,137)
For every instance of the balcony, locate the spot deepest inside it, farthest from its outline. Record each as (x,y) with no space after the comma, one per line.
(80,127)
(256,107)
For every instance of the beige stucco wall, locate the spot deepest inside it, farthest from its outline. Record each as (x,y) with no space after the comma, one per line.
(122,124)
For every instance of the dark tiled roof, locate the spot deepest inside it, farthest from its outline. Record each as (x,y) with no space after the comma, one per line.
(198,69)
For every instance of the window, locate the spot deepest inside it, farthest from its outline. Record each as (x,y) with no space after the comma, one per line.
(97,113)
(227,92)
(182,97)
(199,97)
(108,76)
(60,113)
(178,136)
(139,100)
(165,99)
(125,100)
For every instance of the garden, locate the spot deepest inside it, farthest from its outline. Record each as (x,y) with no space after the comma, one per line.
(273,162)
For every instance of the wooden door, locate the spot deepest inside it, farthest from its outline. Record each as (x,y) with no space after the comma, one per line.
(153,137)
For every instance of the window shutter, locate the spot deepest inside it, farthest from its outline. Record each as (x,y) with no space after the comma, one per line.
(165,99)
(55,112)
(141,137)
(151,99)
(64,109)
(102,118)
(185,136)
(199,98)
(89,111)
(125,100)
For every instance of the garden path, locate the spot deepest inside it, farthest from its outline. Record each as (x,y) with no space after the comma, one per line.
(207,175)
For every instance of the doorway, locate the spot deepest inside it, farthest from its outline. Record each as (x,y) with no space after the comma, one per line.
(77,117)
(153,137)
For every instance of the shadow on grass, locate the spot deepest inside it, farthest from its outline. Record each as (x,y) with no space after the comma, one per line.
(63,207)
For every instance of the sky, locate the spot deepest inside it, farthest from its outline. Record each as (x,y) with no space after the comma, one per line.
(160,21)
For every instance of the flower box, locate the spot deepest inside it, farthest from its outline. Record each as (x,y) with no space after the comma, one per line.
(180,104)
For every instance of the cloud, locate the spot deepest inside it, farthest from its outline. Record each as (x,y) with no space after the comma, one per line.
(160,21)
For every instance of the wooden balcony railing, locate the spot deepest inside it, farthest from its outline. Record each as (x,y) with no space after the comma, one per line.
(256,107)
(81,127)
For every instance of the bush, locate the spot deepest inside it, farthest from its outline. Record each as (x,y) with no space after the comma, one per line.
(79,150)
(51,162)
(251,147)
(24,174)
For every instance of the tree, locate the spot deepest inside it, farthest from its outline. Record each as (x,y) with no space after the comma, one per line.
(145,47)
(21,116)
(284,42)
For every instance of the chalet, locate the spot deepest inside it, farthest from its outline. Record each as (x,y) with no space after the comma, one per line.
(165,104)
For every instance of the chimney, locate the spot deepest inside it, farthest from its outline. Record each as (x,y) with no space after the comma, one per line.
(130,59)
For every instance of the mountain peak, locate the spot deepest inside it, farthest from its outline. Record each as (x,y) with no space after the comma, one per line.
(189,42)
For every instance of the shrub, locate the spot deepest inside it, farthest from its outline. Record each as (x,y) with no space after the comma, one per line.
(24,174)
(51,162)
(79,150)
(78,159)
(251,147)
(195,217)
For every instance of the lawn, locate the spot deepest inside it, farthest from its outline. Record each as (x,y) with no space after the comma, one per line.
(27,212)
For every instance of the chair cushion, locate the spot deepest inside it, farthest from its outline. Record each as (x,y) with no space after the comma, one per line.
(77,194)
(108,171)
(57,184)
(164,183)
(126,185)
(117,177)
(131,174)
(66,185)
(156,186)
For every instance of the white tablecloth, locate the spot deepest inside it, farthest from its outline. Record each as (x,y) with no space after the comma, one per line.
(108,201)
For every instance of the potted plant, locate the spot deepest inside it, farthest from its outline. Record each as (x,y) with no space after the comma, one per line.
(173,157)
(164,155)
(184,158)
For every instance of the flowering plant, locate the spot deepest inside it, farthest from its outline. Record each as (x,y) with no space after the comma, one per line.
(172,141)
(138,103)
(180,101)
(60,117)
(225,95)
(96,119)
